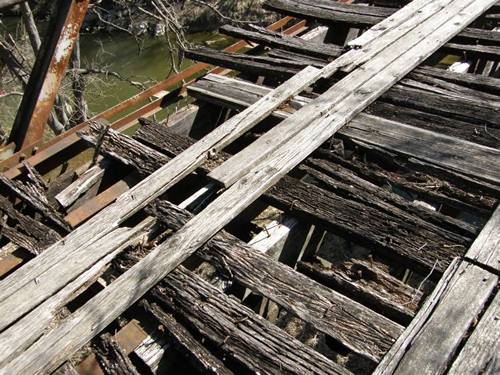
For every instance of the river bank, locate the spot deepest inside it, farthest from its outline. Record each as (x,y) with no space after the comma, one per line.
(116,52)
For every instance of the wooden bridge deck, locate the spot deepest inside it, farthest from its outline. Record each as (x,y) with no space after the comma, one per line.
(332,208)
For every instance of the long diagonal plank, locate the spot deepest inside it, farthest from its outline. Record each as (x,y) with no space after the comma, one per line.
(441,23)
(101,310)
(30,327)
(23,290)
(30,277)
(432,147)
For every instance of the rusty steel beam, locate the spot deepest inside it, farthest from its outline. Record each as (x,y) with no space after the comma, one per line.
(13,168)
(48,72)
(70,139)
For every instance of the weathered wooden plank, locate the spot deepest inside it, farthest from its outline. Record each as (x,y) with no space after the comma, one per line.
(36,198)
(16,288)
(368,285)
(355,14)
(19,336)
(438,123)
(454,154)
(473,113)
(186,344)
(34,235)
(486,248)
(240,333)
(258,65)
(80,186)
(278,40)
(358,328)
(177,248)
(348,184)
(451,190)
(112,358)
(382,226)
(480,355)
(428,344)
(478,111)
(332,102)
(331,11)
(476,81)
(472,160)
(387,231)
(113,144)
(489,52)
(428,185)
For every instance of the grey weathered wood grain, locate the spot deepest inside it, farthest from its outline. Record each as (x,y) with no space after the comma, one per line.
(347,183)
(368,285)
(356,14)
(29,233)
(352,324)
(448,152)
(112,358)
(332,103)
(186,344)
(80,186)
(138,197)
(30,327)
(240,333)
(278,40)
(486,248)
(383,226)
(429,343)
(36,198)
(458,155)
(96,314)
(480,354)
(19,293)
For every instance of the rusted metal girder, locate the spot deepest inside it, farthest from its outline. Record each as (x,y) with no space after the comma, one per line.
(52,148)
(48,72)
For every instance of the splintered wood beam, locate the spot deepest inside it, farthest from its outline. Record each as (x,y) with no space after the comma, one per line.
(332,104)
(367,284)
(382,226)
(370,335)
(27,232)
(132,201)
(475,81)
(80,186)
(29,328)
(112,358)
(241,334)
(184,343)
(278,40)
(48,72)
(357,14)
(258,65)
(35,197)
(50,350)
(473,159)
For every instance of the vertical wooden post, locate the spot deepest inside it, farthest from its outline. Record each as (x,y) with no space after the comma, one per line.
(48,72)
